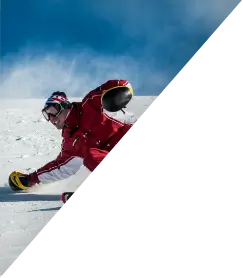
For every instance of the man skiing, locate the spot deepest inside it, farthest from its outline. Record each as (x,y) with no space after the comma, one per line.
(89,134)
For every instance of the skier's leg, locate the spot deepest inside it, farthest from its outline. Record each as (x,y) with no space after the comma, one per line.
(93,158)
(66,196)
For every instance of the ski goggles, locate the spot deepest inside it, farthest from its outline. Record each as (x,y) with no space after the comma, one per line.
(52,110)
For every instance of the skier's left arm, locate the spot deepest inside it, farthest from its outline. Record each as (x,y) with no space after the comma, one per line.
(64,166)
(94,97)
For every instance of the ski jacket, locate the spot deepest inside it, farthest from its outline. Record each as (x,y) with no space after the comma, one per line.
(88,136)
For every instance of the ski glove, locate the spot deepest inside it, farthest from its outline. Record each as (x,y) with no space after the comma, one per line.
(19,181)
(116,98)
(33,179)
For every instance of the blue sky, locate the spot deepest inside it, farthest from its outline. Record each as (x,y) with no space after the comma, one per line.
(74,45)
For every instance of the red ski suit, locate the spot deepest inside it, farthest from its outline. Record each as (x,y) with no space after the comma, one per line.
(88,136)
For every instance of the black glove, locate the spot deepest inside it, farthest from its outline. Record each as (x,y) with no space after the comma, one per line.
(19,181)
(24,179)
(116,99)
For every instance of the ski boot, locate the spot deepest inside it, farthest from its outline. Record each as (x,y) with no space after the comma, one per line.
(66,196)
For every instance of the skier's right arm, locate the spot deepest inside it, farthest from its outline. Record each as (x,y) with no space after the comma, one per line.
(64,166)
(94,97)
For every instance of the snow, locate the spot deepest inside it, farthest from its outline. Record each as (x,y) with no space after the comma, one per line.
(27,142)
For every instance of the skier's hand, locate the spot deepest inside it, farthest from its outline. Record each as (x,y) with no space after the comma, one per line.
(116,98)
(20,181)
(23,178)
(33,179)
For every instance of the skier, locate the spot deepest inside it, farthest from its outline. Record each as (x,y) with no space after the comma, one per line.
(89,134)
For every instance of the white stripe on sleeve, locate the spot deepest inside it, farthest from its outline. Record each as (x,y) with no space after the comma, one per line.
(64,171)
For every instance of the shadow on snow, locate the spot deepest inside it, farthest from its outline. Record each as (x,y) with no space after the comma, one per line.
(7,195)
(46,209)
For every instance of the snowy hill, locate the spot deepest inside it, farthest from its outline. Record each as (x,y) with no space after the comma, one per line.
(27,142)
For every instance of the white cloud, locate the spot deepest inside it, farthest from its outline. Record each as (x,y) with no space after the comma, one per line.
(40,75)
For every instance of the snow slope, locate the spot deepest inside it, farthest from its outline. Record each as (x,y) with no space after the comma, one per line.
(27,142)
